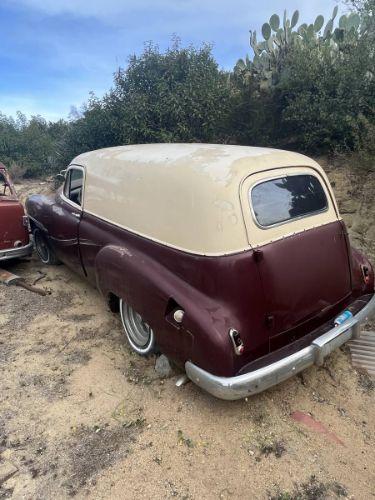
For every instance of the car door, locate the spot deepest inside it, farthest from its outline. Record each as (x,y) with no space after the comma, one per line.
(66,216)
(301,248)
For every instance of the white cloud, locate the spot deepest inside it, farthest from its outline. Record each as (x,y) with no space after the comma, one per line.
(110,10)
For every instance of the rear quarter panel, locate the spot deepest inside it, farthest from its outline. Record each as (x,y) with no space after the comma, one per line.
(217,293)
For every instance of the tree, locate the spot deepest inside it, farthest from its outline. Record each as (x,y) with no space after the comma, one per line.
(29,143)
(180,95)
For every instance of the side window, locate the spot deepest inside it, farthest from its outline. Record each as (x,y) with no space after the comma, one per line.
(73,185)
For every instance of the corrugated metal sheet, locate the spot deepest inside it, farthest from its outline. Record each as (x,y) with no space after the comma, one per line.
(362,351)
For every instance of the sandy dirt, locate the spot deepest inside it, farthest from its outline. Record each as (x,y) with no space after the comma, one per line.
(81,415)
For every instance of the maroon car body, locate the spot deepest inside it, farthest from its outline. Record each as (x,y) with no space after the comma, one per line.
(14,226)
(240,319)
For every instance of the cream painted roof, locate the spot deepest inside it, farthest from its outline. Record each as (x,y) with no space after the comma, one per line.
(183,195)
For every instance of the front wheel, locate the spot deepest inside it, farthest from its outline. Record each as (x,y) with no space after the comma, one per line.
(43,249)
(139,334)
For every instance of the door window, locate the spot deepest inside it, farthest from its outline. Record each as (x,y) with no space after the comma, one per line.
(74,185)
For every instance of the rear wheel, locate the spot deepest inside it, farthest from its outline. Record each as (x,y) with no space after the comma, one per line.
(139,333)
(43,249)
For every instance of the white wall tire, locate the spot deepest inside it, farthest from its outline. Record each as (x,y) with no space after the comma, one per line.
(43,249)
(139,334)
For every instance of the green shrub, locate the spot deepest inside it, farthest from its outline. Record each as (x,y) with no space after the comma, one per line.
(328,97)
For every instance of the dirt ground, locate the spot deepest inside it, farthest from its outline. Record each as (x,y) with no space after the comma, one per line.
(81,415)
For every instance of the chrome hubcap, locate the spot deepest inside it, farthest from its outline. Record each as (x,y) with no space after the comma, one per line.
(138,330)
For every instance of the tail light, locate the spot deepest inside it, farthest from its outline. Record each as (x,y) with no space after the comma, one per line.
(26,222)
(365,274)
(238,345)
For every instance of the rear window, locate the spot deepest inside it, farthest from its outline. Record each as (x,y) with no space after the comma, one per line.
(287,198)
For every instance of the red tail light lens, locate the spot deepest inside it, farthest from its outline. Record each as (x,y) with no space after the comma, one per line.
(365,274)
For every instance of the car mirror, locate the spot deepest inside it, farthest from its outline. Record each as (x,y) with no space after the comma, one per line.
(59,178)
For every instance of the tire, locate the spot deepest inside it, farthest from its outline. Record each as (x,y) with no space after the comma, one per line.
(43,248)
(138,333)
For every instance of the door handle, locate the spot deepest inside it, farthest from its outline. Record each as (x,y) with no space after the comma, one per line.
(76,215)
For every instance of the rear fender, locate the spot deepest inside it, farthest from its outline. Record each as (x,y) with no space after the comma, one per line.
(150,289)
(35,224)
(39,209)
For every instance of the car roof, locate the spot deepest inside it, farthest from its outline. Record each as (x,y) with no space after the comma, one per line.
(220,160)
(183,195)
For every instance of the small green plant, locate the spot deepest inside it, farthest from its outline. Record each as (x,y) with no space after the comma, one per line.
(312,489)
(183,440)
(272,447)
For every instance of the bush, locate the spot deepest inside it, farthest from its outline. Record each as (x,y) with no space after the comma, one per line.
(317,94)
(31,144)
(177,96)
(329,97)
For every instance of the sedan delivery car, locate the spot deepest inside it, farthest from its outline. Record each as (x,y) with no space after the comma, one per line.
(14,225)
(231,260)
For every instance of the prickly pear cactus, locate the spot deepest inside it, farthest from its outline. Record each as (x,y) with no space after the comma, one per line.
(280,35)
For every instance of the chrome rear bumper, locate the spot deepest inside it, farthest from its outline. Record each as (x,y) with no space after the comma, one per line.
(240,386)
(15,253)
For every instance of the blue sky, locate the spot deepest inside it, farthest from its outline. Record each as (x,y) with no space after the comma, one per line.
(54,52)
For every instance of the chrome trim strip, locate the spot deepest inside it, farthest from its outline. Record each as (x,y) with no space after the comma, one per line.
(14,253)
(241,386)
(64,242)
